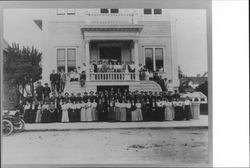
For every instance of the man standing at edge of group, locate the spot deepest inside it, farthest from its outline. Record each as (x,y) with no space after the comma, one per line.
(58,80)
(52,78)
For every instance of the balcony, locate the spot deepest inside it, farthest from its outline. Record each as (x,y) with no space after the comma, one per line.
(110,19)
(114,76)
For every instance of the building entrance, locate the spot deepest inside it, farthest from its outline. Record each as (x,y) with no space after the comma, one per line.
(110,53)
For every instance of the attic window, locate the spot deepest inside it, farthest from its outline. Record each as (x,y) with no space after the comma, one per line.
(71,11)
(60,11)
(104,10)
(114,10)
(157,11)
(147,11)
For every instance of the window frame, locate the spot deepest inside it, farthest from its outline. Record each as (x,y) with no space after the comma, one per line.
(60,13)
(114,9)
(71,13)
(154,47)
(157,13)
(66,57)
(104,9)
(147,13)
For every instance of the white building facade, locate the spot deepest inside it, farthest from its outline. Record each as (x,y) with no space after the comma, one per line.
(72,37)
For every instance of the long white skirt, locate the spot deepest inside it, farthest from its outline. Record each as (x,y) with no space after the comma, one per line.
(137,115)
(168,114)
(89,114)
(83,114)
(65,116)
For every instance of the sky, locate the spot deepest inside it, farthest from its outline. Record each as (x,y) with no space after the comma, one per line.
(191,35)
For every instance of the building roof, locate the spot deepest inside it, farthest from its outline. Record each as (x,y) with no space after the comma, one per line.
(197,80)
(194,95)
(39,23)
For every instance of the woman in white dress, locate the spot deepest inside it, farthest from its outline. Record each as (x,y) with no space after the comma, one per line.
(88,111)
(39,113)
(83,111)
(94,110)
(168,111)
(123,111)
(138,113)
(65,114)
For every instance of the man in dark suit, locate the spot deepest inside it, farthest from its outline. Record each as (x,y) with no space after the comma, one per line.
(52,78)
(57,80)
(46,92)
(39,92)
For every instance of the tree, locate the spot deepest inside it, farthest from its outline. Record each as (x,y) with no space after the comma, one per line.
(22,67)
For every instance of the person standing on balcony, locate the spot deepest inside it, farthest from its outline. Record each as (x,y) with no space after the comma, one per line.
(131,67)
(123,66)
(119,67)
(52,78)
(63,79)
(94,66)
(99,66)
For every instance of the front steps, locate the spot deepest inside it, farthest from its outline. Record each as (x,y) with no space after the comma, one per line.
(74,87)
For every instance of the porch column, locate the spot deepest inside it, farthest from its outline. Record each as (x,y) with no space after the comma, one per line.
(87,59)
(136,59)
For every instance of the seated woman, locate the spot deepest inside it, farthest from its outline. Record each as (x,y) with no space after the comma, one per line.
(74,76)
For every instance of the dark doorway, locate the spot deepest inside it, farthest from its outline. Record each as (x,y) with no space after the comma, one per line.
(110,53)
(115,88)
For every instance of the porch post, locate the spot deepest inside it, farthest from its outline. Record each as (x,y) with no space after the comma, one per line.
(136,59)
(87,59)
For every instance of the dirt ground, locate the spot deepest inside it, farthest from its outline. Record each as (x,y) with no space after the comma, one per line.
(109,146)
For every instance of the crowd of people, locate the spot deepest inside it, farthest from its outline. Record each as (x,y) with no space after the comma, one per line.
(108,106)
(59,78)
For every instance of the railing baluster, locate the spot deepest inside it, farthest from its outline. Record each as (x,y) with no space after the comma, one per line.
(112,76)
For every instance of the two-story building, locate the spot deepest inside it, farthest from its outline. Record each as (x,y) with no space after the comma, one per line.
(72,37)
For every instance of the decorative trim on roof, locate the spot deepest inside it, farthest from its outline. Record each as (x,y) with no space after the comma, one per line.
(136,28)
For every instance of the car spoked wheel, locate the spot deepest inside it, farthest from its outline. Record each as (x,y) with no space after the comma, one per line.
(19,126)
(7,127)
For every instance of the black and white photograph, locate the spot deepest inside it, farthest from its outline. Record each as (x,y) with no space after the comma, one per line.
(107,82)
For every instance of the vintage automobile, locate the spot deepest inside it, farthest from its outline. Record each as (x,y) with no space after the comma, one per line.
(12,122)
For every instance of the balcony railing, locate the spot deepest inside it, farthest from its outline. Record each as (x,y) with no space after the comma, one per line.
(114,76)
(110,19)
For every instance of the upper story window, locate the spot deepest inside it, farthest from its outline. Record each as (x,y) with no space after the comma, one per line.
(71,11)
(114,10)
(147,11)
(66,59)
(157,11)
(65,11)
(60,11)
(106,10)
